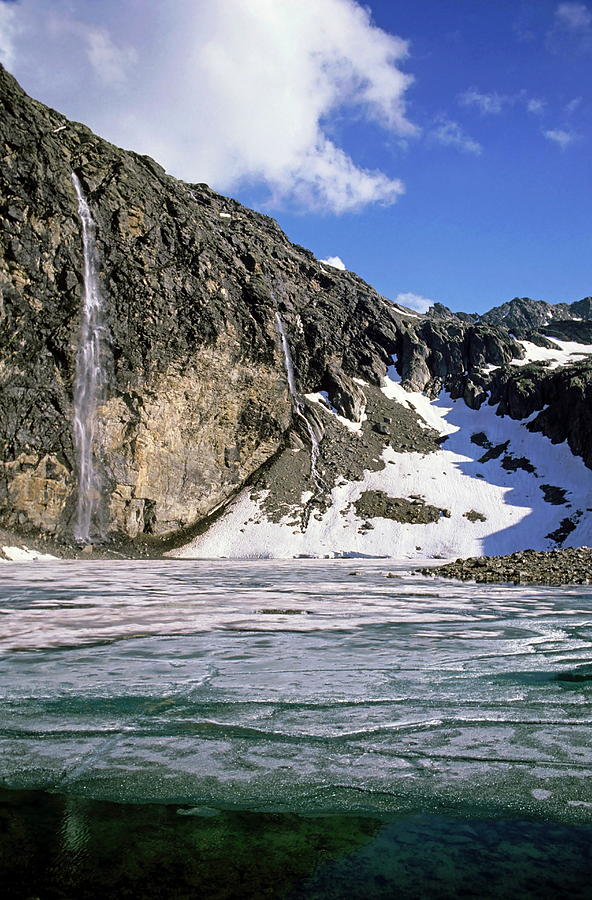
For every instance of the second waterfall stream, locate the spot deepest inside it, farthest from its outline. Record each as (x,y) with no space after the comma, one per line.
(297,402)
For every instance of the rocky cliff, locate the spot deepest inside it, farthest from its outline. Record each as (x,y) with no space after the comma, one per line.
(197,401)
(526,318)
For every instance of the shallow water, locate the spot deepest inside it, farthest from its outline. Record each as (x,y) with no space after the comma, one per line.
(63,847)
(296,687)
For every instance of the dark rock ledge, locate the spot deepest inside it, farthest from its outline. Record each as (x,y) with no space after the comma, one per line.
(566,566)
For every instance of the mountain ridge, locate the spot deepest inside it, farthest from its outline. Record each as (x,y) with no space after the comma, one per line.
(197,403)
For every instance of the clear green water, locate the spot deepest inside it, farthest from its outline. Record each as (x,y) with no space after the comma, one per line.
(60,847)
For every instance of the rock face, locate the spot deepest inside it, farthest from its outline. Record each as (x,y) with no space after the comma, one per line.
(197,400)
(563,396)
(532,320)
(523,316)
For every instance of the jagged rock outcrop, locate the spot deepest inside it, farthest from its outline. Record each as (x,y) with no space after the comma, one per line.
(563,396)
(526,318)
(347,397)
(197,398)
(444,353)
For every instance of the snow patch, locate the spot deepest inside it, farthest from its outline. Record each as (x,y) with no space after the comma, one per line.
(23,554)
(405,312)
(433,415)
(460,478)
(322,398)
(567,352)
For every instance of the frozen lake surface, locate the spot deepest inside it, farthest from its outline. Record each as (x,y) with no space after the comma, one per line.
(298,686)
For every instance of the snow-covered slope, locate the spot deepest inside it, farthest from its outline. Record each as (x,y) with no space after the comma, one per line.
(566,352)
(22,554)
(492,487)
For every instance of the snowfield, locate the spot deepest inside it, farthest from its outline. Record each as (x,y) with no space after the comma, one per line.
(568,352)
(502,494)
(22,554)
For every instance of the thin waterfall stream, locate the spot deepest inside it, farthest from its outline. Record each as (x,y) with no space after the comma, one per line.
(89,382)
(297,402)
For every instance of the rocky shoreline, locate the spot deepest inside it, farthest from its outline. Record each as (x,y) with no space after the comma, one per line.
(566,566)
(18,546)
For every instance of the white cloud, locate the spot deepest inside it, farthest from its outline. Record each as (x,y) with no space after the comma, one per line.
(327,178)
(451,134)
(535,106)
(224,92)
(571,107)
(414,301)
(335,262)
(111,63)
(493,103)
(560,137)
(572,29)
(523,34)
(575,16)
(488,104)
(8,34)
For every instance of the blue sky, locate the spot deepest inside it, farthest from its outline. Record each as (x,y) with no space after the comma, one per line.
(440,148)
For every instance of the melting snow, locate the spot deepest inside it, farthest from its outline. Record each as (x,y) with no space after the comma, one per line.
(568,352)
(322,397)
(23,554)
(452,478)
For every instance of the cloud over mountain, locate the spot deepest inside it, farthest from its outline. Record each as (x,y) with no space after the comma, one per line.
(225,92)
(414,301)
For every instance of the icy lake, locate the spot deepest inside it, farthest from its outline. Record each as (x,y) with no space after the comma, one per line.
(342,688)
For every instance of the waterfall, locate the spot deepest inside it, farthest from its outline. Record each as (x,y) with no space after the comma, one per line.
(88,384)
(297,403)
